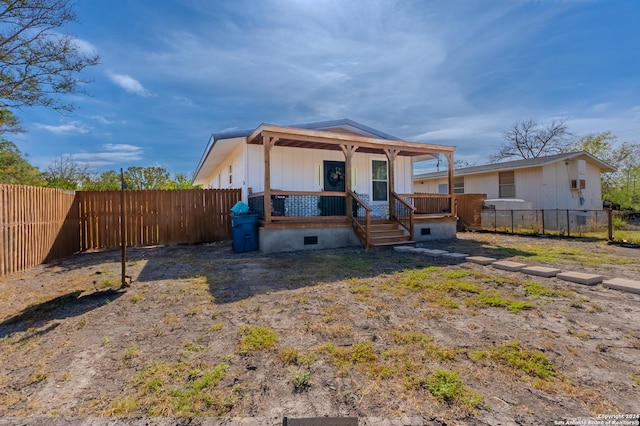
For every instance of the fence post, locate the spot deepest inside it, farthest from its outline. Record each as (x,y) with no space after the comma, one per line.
(123,233)
(610,224)
(542,221)
(568,226)
(512,230)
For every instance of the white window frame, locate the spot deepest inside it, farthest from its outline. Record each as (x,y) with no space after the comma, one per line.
(507,184)
(373,180)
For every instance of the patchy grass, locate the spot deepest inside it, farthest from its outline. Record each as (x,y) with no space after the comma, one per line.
(446,386)
(496,300)
(360,341)
(301,380)
(38,376)
(175,389)
(534,288)
(132,350)
(256,338)
(533,363)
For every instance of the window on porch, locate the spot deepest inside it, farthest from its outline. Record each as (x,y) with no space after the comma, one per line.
(379,180)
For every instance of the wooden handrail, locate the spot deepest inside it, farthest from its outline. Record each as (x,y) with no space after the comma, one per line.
(424,195)
(316,193)
(412,210)
(364,230)
(407,205)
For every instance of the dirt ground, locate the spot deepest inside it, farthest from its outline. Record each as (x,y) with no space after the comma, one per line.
(203,331)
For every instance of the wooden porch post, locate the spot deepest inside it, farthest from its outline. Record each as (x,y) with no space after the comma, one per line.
(450,176)
(268,143)
(392,154)
(348,151)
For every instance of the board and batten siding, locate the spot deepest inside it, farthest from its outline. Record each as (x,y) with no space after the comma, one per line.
(301,169)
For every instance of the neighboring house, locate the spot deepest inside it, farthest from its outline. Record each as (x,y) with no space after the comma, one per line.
(322,185)
(570,181)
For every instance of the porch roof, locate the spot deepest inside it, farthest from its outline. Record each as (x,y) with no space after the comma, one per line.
(296,137)
(325,135)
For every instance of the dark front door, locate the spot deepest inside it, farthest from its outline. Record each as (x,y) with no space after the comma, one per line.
(334,176)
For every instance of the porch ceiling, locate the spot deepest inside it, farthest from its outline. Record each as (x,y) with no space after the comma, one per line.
(332,141)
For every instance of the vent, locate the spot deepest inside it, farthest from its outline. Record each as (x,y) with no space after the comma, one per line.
(425,231)
(308,241)
(578,183)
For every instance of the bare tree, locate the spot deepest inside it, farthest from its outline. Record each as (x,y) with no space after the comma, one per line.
(64,172)
(37,60)
(528,139)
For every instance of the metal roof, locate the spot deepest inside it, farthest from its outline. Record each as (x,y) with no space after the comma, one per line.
(350,126)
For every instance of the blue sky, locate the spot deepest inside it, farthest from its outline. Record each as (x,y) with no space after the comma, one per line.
(456,72)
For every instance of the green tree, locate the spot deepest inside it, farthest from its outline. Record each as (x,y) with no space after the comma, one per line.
(622,186)
(139,178)
(15,169)
(108,181)
(9,123)
(182,181)
(37,60)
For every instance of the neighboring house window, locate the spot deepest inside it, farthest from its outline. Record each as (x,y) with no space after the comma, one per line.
(230,175)
(443,188)
(458,185)
(506,185)
(379,180)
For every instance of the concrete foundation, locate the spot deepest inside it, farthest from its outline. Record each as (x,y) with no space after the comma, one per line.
(435,229)
(296,239)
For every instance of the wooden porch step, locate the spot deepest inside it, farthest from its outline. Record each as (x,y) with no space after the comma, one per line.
(392,240)
(387,233)
(392,243)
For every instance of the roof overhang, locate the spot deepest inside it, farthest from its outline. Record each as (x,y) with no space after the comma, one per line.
(332,136)
(333,141)
(213,158)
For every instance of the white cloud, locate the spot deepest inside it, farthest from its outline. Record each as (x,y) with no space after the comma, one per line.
(110,155)
(85,47)
(102,120)
(129,84)
(73,127)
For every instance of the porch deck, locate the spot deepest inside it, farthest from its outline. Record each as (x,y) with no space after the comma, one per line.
(336,215)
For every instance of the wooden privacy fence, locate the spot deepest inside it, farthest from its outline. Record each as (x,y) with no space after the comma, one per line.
(43,224)
(155,217)
(469,209)
(36,225)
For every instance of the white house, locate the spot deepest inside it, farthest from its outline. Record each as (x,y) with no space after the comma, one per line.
(321,185)
(569,181)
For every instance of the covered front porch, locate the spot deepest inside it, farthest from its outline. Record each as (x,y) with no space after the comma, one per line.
(325,218)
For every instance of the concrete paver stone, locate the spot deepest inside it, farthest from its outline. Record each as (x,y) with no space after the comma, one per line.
(580,278)
(541,271)
(403,248)
(459,256)
(434,252)
(481,260)
(508,265)
(623,284)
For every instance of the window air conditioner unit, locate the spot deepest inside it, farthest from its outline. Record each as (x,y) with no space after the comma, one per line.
(578,183)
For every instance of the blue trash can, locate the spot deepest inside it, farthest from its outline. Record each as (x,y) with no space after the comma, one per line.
(245,232)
